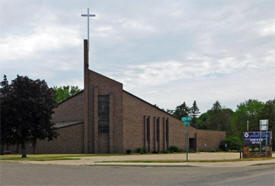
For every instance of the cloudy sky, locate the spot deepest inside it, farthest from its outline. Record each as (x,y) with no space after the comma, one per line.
(165,52)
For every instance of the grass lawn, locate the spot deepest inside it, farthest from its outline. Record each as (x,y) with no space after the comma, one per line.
(49,157)
(183,161)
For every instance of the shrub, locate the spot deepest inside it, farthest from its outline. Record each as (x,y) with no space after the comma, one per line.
(231,143)
(141,150)
(173,149)
(128,151)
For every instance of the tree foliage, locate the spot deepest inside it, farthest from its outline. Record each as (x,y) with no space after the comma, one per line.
(231,143)
(248,111)
(64,92)
(194,112)
(181,111)
(28,109)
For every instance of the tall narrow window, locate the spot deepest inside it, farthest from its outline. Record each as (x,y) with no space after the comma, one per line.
(158,129)
(167,133)
(103,113)
(148,129)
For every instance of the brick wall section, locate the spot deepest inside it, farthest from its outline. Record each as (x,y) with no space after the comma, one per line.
(69,141)
(135,113)
(70,110)
(209,139)
(102,85)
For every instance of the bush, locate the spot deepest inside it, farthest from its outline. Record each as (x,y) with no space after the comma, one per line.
(141,150)
(128,151)
(173,149)
(231,143)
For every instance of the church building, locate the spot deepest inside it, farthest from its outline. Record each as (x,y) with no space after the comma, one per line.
(104,118)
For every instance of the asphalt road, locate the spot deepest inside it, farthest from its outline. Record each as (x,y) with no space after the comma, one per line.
(30,174)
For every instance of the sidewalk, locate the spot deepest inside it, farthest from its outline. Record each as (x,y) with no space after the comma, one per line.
(97,160)
(192,164)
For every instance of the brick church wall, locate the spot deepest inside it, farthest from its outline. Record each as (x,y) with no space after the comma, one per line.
(136,110)
(102,85)
(209,139)
(71,109)
(69,141)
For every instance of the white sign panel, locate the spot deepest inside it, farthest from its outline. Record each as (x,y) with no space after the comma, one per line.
(263,124)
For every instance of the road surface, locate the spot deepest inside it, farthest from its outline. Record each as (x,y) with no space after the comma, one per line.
(31,174)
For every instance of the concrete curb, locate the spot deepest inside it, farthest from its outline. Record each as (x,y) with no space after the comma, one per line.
(145,164)
(191,164)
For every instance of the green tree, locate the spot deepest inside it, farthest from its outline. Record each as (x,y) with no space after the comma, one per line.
(31,104)
(231,143)
(202,120)
(5,128)
(64,92)
(181,111)
(248,111)
(194,112)
(217,118)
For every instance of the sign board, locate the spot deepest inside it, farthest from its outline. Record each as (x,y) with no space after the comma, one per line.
(186,120)
(257,137)
(263,125)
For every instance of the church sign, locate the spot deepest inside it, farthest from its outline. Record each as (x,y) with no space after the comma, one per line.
(257,137)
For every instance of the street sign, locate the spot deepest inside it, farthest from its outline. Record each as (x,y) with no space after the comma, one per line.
(186,120)
(263,125)
(186,123)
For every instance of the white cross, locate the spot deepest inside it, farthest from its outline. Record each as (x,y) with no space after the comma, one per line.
(88,15)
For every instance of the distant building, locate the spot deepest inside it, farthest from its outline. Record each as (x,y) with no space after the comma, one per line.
(104,118)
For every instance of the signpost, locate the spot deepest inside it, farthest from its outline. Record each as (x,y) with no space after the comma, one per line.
(186,121)
(264,127)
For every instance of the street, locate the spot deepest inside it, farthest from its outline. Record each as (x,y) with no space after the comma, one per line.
(30,174)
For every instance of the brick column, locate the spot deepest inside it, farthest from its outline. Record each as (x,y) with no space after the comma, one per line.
(111,123)
(86,98)
(95,120)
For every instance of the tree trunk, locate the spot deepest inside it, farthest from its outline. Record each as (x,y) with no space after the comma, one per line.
(17,148)
(34,146)
(23,149)
(2,149)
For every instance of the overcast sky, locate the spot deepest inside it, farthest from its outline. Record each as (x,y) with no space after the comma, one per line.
(165,52)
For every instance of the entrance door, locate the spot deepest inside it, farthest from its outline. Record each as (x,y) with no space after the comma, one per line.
(192,144)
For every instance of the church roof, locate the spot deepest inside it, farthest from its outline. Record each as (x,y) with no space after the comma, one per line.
(62,124)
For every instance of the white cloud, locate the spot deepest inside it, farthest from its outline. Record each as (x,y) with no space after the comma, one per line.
(43,38)
(165,52)
(267,28)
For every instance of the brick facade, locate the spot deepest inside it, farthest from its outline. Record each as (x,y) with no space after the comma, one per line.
(132,122)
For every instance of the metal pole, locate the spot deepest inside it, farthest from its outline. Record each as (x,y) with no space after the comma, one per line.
(247,125)
(260,143)
(266,143)
(187,142)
